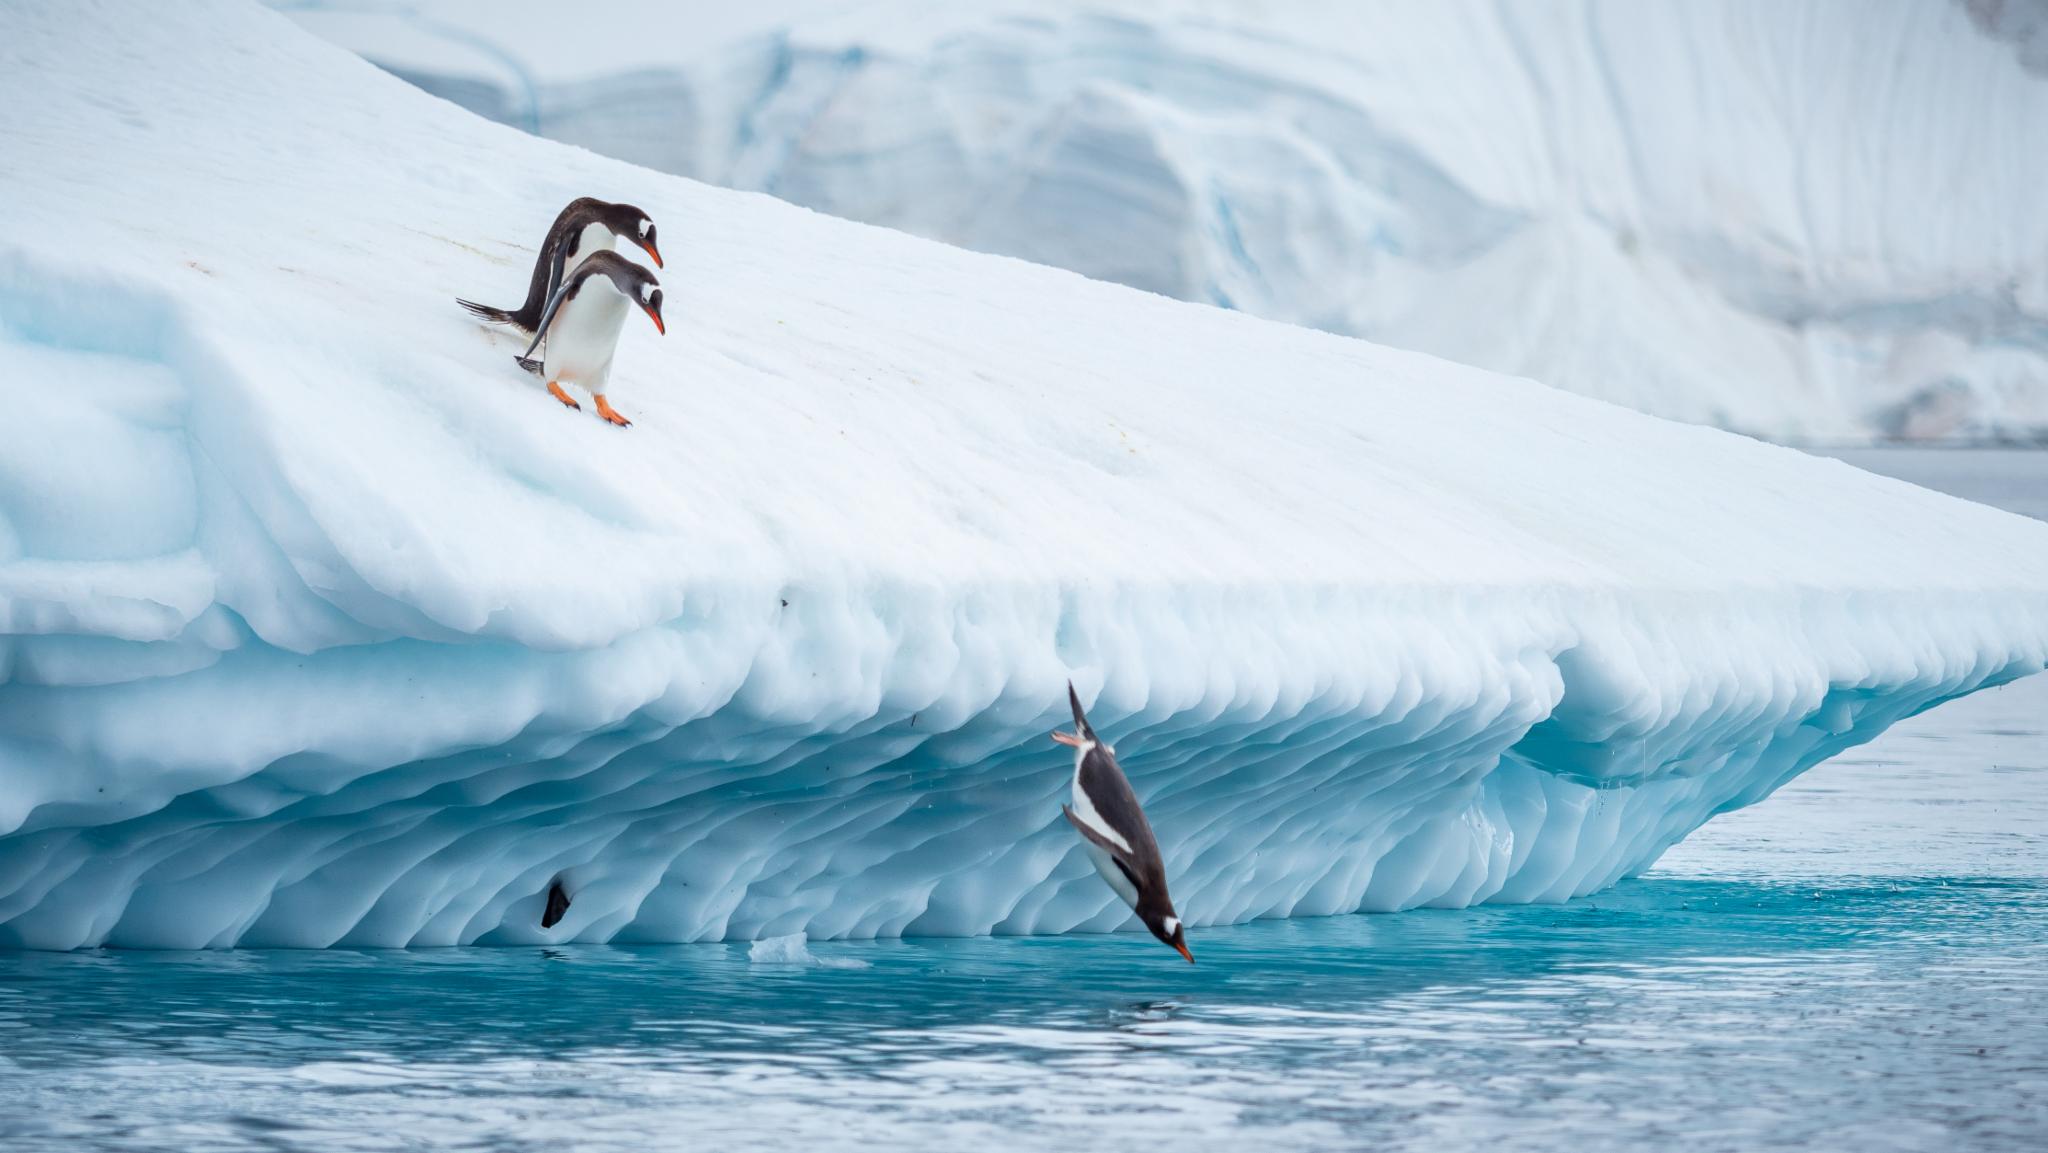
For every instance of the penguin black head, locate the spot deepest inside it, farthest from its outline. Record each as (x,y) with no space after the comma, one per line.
(634,282)
(1167,927)
(651,304)
(636,226)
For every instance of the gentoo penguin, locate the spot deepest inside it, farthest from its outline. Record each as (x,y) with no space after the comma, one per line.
(584,227)
(558,903)
(1115,833)
(581,326)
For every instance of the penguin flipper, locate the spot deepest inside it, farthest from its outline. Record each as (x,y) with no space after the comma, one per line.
(529,364)
(547,317)
(547,269)
(558,903)
(1116,852)
(558,262)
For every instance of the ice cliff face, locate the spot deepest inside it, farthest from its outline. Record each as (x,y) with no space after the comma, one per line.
(1806,221)
(320,624)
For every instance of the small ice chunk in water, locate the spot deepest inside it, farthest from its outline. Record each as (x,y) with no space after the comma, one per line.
(789,950)
(794,950)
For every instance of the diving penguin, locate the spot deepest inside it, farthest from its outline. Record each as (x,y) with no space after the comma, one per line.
(1115,833)
(585,226)
(581,326)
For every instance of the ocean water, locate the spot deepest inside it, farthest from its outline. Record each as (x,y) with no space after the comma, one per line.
(1861,962)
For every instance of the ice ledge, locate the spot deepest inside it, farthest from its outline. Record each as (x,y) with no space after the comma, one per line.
(862,775)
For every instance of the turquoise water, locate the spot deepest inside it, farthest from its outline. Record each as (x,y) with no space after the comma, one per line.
(1725,1014)
(1859,963)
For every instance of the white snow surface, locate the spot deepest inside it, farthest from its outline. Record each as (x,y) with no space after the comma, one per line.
(1814,221)
(320,624)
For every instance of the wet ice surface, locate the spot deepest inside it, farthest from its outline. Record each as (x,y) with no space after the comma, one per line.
(1860,962)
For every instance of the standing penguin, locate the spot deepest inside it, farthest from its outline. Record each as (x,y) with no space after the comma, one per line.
(1115,833)
(581,326)
(585,226)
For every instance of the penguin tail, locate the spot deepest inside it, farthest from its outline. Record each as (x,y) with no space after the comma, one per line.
(558,903)
(485,311)
(1080,719)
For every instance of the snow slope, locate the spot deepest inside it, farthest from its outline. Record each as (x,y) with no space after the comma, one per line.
(1810,221)
(323,625)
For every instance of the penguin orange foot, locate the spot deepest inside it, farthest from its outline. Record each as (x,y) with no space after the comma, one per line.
(605,410)
(555,390)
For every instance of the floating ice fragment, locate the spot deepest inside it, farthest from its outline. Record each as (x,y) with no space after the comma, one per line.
(794,949)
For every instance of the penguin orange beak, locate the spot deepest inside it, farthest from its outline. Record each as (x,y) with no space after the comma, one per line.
(656,318)
(1182,948)
(1067,739)
(652,253)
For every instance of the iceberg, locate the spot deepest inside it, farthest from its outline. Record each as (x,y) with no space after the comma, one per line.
(1813,222)
(320,624)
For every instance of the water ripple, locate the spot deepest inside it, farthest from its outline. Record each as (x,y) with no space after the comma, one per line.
(1888,1013)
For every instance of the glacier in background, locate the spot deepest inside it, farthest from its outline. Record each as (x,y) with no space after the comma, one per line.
(1811,222)
(321,624)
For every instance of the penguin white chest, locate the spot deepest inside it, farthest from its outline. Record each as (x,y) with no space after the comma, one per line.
(1106,865)
(594,238)
(585,334)
(1086,812)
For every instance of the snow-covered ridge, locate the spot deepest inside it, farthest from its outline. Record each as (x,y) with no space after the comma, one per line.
(320,623)
(1812,221)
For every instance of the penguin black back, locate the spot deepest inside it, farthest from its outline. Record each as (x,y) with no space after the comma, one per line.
(558,250)
(1117,804)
